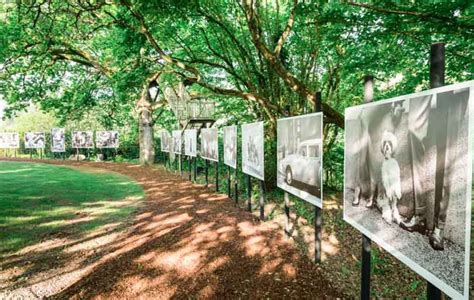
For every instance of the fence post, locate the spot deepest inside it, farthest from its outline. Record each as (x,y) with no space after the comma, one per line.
(366,255)
(287,196)
(236,185)
(207,172)
(228,182)
(217,176)
(262,200)
(249,193)
(318,218)
(437,71)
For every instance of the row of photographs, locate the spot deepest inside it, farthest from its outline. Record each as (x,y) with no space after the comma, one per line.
(79,139)
(407,174)
(299,151)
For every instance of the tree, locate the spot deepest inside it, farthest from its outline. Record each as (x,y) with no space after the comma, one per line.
(70,56)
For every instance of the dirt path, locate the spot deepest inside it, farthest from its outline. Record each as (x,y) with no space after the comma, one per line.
(187,241)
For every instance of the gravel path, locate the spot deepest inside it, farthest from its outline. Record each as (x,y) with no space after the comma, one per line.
(189,242)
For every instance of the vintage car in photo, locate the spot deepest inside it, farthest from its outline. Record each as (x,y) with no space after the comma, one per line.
(304,166)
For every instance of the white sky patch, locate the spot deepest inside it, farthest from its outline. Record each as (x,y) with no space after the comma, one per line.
(391,82)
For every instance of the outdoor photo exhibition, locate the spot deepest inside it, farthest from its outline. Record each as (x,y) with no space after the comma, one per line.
(237,149)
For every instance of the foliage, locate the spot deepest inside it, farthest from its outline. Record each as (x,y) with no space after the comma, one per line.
(40,200)
(254,58)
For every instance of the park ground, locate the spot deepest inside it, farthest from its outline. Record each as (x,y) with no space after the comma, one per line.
(104,230)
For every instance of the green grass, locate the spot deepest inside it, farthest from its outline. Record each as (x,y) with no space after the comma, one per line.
(38,200)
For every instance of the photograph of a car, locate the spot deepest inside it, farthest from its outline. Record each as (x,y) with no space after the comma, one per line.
(299,156)
(252,150)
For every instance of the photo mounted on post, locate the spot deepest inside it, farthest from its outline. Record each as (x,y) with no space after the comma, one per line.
(165,141)
(107,139)
(58,140)
(34,140)
(9,140)
(82,139)
(230,146)
(177,144)
(209,146)
(190,142)
(252,150)
(408,180)
(300,156)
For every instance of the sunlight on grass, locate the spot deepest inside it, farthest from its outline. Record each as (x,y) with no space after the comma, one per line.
(39,200)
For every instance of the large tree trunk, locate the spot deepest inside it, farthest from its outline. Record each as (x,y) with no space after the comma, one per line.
(145,119)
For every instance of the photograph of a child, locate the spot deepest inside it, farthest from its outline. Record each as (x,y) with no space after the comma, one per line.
(408,180)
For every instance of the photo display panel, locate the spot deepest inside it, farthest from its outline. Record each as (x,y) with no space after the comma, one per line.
(230,146)
(9,140)
(209,145)
(177,141)
(107,139)
(34,140)
(82,139)
(408,180)
(165,141)
(58,140)
(252,150)
(190,142)
(300,156)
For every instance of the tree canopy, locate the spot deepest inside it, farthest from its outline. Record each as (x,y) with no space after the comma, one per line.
(254,58)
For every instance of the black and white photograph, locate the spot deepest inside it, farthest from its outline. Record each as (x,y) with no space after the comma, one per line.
(300,156)
(34,140)
(177,142)
(408,180)
(252,150)
(190,142)
(58,140)
(165,141)
(82,139)
(209,144)
(107,139)
(230,146)
(9,140)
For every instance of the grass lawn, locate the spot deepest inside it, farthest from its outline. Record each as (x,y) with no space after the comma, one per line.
(40,200)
